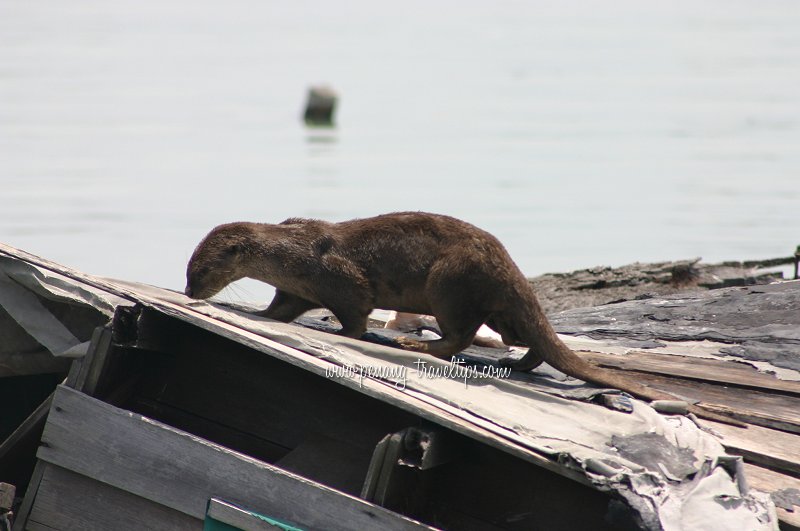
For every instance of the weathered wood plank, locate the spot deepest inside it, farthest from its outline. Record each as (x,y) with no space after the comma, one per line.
(328,461)
(771,410)
(29,429)
(770,482)
(212,430)
(67,500)
(35,526)
(92,364)
(30,497)
(181,471)
(7,492)
(771,448)
(708,370)
(75,370)
(18,451)
(30,363)
(757,418)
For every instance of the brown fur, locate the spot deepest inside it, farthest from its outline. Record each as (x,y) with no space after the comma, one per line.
(408,262)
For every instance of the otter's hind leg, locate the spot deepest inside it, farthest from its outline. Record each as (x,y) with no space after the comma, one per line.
(529,361)
(458,332)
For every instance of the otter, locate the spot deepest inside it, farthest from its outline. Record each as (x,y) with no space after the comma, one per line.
(408,262)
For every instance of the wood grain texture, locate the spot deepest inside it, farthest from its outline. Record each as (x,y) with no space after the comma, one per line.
(30,497)
(91,367)
(771,448)
(703,369)
(67,500)
(777,411)
(182,472)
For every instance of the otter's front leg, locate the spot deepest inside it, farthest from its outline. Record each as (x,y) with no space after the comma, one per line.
(346,292)
(286,307)
(353,319)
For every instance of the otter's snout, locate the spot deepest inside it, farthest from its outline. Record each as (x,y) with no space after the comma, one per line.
(199,292)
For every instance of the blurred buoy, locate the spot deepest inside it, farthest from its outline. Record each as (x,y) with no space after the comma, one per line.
(320,106)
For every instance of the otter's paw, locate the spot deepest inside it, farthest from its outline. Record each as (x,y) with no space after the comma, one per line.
(408,343)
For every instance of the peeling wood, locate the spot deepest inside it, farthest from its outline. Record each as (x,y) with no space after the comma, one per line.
(67,500)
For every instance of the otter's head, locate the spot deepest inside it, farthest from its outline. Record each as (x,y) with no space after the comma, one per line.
(217,261)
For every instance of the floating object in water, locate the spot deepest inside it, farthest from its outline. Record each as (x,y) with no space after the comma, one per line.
(320,106)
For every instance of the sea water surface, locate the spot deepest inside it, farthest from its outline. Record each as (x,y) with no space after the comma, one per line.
(580,133)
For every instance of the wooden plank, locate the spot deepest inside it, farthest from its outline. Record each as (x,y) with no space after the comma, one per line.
(31,363)
(773,449)
(67,500)
(182,472)
(328,461)
(770,481)
(385,484)
(780,412)
(91,367)
(230,514)
(35,526)
(754,416)
(375,468)
(29,428)
(18,451)
(30,497)
(703,369)
(7,492)
(212,430)
(75,370)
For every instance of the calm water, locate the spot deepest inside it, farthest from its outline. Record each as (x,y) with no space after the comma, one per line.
(580,133)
